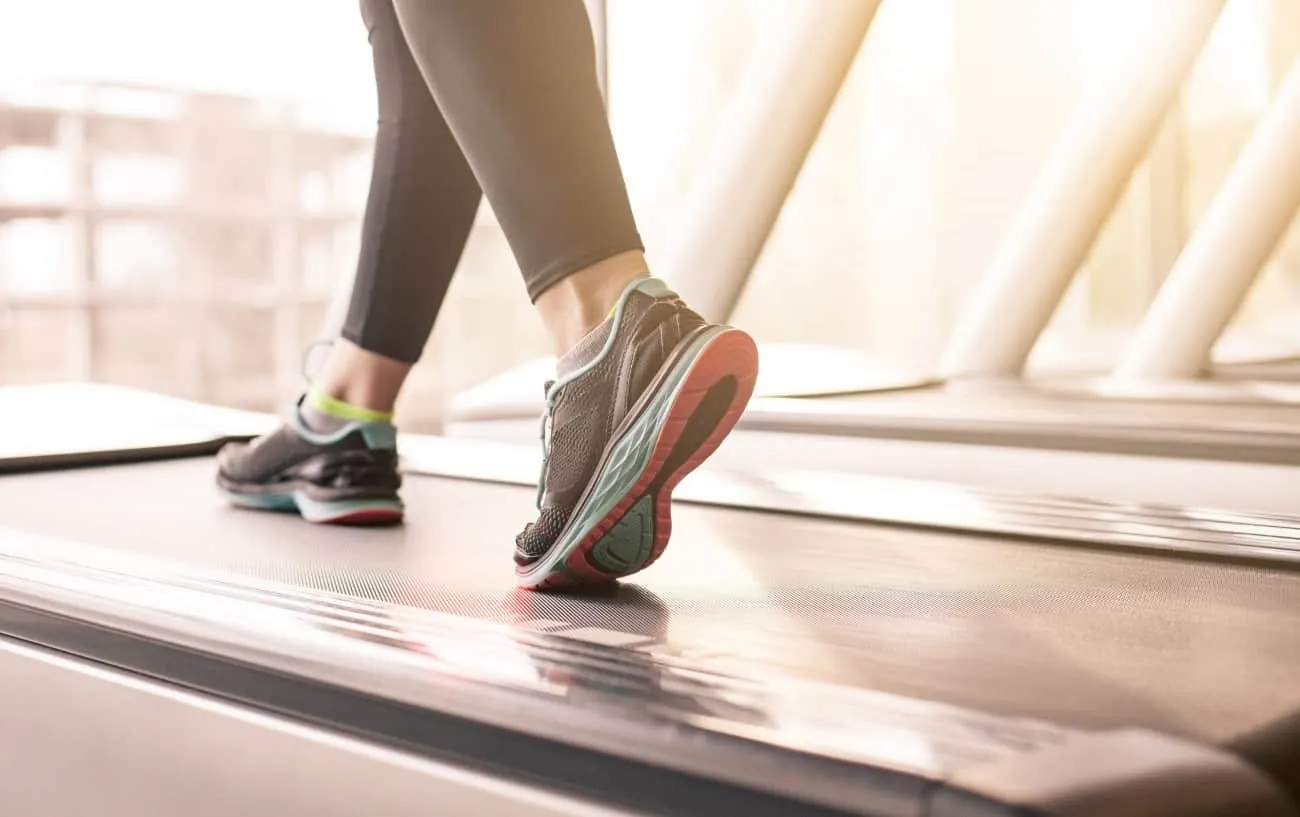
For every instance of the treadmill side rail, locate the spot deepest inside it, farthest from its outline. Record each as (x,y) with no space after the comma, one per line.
(1237,537)
(136,426)
(1117,774)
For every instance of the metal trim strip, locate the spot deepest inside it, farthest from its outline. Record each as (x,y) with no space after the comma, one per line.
(147,749)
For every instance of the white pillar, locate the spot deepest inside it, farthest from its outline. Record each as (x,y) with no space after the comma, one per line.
(772,126)
(1073,196)
(1235,239)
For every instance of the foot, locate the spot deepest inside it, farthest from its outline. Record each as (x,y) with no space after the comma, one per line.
(639,404)
(346,476)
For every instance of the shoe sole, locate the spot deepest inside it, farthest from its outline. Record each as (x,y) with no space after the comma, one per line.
(623,523)
(368,511)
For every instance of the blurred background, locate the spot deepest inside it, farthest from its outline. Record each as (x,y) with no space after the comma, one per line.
(181,183)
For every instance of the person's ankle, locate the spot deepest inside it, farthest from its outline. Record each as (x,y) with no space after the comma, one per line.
(363,383)
(579,303)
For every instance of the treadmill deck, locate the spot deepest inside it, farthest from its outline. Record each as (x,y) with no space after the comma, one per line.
(1081,637)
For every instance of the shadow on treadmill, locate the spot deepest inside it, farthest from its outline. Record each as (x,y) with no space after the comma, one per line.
(615,614)
(1274,750)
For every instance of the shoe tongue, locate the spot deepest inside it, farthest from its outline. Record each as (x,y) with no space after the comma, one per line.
(589,348)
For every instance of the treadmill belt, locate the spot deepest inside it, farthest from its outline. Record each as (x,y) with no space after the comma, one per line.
(1077,636)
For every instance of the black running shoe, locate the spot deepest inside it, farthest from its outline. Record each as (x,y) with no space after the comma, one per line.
(638,405)
(347,477)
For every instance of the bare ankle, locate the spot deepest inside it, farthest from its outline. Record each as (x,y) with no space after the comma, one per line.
(581,301)
(361,378)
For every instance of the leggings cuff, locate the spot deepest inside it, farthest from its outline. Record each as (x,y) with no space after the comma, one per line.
(388,349)
(556,271)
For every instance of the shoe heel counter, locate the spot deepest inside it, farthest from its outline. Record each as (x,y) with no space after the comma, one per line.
(380,436)
(663,331)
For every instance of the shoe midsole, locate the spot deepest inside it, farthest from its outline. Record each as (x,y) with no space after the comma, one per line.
(308,506)
(315,493)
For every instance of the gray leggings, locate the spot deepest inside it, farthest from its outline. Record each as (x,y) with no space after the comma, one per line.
(495,97)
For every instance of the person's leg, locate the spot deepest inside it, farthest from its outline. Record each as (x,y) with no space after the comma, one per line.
(516,80)
(336,460)
(421,206)
(645,388)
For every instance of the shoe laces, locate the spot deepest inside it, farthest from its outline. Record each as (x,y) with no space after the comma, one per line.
(554,387)
(545,427)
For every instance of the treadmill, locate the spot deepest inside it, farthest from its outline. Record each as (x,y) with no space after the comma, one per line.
(162,653)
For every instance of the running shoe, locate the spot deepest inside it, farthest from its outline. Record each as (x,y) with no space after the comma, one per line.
(347,477)
(636,406)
